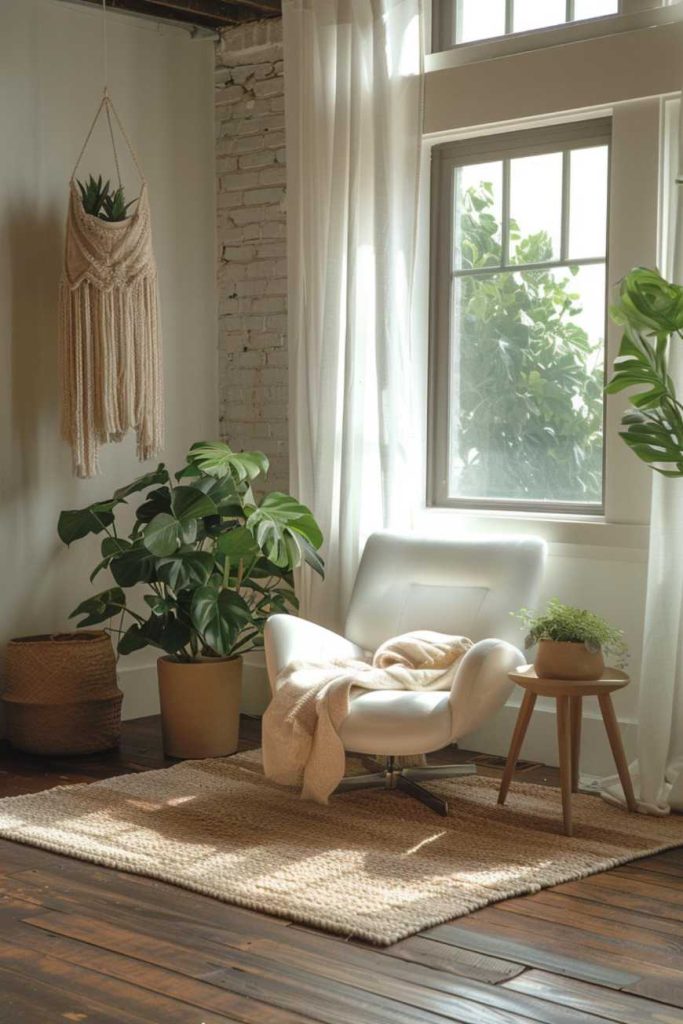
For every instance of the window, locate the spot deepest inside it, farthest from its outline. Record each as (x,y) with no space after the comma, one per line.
(519,318)
(484,19)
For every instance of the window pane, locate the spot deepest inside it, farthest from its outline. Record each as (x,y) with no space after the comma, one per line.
(535,208)
(484,19)
(530,14)
(594,8)
(478,214)
(527,356)
(479,19)
(588,202)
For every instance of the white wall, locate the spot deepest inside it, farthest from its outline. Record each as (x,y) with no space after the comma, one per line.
(50,84)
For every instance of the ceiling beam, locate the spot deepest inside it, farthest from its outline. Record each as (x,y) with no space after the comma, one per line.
(213,14)
(222,10)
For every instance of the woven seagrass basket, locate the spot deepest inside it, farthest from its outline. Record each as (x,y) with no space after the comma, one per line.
(61,695)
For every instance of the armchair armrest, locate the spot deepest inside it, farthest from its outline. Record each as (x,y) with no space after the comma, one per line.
(481,685)
(288,638)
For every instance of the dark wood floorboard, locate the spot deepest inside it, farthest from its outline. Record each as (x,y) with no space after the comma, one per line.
(88,945)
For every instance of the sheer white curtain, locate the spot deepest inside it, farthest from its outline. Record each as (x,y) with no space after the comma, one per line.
(658,771)
(353,102)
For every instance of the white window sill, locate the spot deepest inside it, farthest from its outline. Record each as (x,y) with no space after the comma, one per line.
(557,35)
(577,531)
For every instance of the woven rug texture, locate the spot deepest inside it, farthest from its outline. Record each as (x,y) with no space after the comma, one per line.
(374,865)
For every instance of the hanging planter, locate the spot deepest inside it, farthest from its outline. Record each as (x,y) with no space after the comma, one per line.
(109,335)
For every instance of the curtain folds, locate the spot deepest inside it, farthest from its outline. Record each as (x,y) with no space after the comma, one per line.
(353,104)
(658,771)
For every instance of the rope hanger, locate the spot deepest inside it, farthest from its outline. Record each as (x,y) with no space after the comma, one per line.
(107,105)
(109,331)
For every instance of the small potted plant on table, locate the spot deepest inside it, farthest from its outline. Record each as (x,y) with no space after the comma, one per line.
(571,642)
(215,563)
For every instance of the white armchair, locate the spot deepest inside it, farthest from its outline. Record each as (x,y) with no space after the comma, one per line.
(466,586)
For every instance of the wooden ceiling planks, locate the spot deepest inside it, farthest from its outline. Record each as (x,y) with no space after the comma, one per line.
(212,14)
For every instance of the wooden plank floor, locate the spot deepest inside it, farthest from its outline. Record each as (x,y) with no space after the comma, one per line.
(80,943)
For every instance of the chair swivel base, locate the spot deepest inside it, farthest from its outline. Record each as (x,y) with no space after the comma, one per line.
(406,780)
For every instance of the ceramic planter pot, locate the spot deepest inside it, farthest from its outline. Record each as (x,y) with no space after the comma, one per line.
(556,659)
(200,706)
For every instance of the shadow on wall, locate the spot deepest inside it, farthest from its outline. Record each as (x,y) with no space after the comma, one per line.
(31,454)
(35,258)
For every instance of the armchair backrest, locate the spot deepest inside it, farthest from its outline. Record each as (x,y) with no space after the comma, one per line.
(465,586)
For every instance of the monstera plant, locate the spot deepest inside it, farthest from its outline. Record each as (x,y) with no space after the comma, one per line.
(214,562)
(650,309)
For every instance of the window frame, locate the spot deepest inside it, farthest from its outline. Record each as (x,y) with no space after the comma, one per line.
(446,157)
(453,16)
(632,14)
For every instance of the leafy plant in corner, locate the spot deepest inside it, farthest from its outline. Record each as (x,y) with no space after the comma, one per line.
(99,200)
(215,562)
(567,624)
(650,310)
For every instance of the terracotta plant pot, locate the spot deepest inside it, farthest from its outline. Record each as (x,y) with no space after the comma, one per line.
(200,706)
(556,659)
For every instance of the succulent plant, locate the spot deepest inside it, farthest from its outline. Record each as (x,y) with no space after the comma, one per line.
(99,200)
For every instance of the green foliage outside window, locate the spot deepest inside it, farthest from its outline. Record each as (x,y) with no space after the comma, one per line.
(527,408)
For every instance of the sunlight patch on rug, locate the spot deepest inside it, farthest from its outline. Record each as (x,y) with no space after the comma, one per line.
(373,864)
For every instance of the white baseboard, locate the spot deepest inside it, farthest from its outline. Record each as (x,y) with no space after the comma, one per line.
(540,743)
(140,690)
(141,698)
(141,695)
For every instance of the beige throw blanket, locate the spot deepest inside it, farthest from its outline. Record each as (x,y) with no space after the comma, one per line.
(301,742)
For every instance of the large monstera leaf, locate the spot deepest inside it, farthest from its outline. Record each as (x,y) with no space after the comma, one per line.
(164,631)
(110,548)
(651,310)
(157,501)
(219,616)
(99,608)
(286,532)
(168,530)
(186,569)
(96,518)
(133,566)
(77,523)
(156,477)
(215,458)
(161,537)
(649,303)
(239,547)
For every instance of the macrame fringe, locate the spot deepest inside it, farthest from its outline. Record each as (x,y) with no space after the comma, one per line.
(110,369)
(109,337)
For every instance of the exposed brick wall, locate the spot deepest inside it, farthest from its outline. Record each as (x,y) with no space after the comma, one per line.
(252,270)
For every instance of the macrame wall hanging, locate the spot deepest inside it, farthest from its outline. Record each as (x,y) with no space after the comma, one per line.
(109,335)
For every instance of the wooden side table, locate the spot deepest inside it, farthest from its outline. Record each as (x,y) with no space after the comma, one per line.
(569,695)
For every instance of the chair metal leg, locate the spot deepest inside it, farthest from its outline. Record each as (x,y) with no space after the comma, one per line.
(407,780)
(439,771)
(435,803)
(378,780)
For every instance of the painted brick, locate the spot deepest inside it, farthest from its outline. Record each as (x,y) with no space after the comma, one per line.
(261,158)
(252,230)
(258,196)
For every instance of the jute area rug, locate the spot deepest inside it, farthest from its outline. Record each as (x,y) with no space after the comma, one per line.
(374,865)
